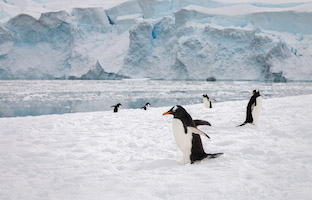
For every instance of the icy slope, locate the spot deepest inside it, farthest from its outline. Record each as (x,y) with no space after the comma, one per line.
(132,155)
(234,42)
(160,39)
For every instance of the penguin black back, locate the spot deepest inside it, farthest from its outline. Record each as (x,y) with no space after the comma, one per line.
(146,106)
(198,152)
(252,101)
(116,107)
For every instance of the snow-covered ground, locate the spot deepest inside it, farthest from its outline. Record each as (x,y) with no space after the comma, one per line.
(132,155)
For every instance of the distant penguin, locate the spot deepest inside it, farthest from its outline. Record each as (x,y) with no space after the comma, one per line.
(186,135)
(256,109)
(253,109)
(146,106)
(116,107)
(207,101)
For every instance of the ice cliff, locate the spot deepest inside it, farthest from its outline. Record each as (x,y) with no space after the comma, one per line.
(158,39)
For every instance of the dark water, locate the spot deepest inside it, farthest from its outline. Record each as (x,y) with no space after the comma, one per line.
(23,98)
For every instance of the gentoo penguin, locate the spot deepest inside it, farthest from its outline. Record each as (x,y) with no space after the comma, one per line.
(146,106)
(256,109)
(207,101)
(117,107)
(253,109)
(186,135)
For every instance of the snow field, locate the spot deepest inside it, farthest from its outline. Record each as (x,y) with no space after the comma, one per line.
(132,154)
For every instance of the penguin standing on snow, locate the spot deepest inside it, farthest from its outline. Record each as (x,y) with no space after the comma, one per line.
(186,135)
(116,107)
(256,109)
(207,101)
(253,109)
(146,106)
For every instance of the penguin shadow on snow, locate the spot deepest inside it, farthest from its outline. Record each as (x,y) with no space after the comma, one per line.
(156,164)
(167,163)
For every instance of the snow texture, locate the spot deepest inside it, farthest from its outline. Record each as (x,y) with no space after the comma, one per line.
(158,39)
(132,154)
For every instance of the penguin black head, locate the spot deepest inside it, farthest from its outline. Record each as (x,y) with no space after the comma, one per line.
(146,106)
(177,112)
(205,95)
(254,92)
(117,105)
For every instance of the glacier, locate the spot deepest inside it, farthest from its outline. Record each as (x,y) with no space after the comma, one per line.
(156,39)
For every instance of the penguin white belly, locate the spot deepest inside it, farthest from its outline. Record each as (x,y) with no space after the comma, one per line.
(206,103)
(184,141)
(256,110)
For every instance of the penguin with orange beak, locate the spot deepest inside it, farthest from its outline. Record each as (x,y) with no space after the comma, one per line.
(187,136)
(253,109)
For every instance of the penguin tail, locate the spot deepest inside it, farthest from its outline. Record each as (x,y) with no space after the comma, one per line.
(214,155)
(242,124)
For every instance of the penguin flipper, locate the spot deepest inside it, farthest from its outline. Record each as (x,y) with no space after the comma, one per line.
(214,155)
(201,123)
(196,131)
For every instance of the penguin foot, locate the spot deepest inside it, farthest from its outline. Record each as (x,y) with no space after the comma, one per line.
(182,162)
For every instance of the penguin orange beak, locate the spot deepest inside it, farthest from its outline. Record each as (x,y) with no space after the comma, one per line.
(167,113)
